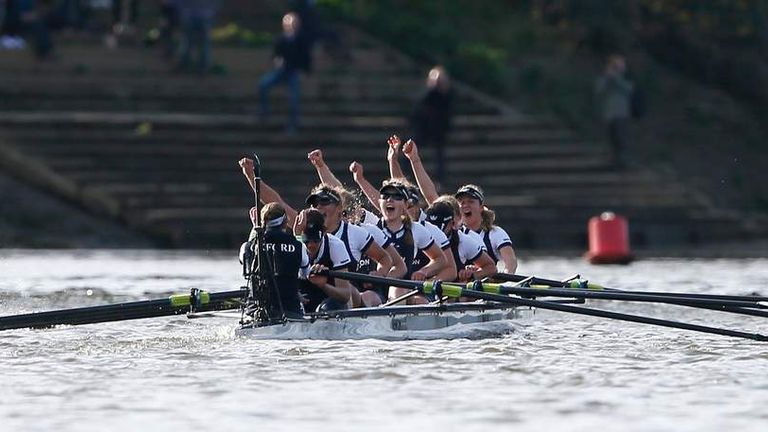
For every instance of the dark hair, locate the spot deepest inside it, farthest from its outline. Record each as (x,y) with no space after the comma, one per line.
(315,219)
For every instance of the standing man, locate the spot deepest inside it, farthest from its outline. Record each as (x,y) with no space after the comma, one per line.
(614,92)
(291,56)
(431,117)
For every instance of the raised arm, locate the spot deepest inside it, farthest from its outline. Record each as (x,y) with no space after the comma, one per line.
(427,186)
(356,168)
(393,157)
(323,171)
(267,194)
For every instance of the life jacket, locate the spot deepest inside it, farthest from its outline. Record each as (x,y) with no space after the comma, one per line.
(284,254)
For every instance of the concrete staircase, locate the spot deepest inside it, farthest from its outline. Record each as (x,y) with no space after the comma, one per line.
(117,132)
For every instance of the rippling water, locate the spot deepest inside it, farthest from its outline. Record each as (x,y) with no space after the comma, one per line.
(555,372)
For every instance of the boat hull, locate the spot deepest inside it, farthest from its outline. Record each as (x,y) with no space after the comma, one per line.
(473,321)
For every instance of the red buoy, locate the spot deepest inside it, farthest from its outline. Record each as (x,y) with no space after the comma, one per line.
(608,239)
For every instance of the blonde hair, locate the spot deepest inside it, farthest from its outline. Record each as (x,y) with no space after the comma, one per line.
(488,219)
(272,211)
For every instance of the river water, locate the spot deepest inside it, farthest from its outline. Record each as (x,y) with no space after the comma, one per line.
(555,371)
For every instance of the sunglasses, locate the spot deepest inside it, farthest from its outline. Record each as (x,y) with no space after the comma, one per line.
(394,196)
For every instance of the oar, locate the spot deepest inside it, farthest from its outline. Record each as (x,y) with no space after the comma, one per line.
(456,291)
(579,284)
(730,306)
(196,301)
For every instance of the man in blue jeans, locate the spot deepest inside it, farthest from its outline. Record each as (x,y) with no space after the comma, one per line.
(196,17)
(291,56)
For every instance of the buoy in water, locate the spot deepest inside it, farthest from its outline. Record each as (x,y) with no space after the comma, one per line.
(608,239)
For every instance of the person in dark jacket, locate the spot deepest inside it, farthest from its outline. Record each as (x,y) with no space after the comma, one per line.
(291,56)
(431,117)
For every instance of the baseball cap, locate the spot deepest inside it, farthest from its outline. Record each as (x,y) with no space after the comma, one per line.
(439,214)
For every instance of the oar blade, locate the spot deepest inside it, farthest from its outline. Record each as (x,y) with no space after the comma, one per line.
(173,305)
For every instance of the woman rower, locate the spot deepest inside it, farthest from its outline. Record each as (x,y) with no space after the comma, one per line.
(469,253)
(413,208)
(475,217)
(409,238)
(361,244)
(326,252)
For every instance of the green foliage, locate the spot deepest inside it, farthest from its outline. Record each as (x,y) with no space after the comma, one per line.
(480,63)
(233,34)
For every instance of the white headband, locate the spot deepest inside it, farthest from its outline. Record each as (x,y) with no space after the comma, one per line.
(276,222)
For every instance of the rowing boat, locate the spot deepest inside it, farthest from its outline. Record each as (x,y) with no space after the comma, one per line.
(475,320)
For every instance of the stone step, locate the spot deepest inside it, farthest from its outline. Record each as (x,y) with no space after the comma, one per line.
(367,144)
(187,122)
(129,61)
(212,87)
(246,105)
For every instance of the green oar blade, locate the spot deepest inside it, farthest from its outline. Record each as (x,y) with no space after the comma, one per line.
(175,304)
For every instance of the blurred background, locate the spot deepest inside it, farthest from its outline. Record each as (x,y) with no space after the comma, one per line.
(121,122)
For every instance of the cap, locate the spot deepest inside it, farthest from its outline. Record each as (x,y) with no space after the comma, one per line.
(323,196)
(414,194)
(439,214)
(395,189)
(471,191)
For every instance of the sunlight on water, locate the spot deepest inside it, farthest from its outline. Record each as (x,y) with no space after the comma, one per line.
(554,372)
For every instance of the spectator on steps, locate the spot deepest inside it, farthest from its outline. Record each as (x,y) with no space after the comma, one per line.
(291,56)
(196,17)
(431,117)
(37,17)
(614,92)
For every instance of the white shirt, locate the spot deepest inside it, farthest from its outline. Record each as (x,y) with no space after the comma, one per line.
(358,239)
(370,217)
(304,269)
(494,240)
(437,234)
(470,248)
(475,236)
(377,234)
(339,255)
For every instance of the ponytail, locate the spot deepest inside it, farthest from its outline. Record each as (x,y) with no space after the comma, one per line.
(488,217)
(408,234)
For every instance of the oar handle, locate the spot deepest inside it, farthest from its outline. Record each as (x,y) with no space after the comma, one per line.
(360,277)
